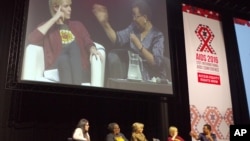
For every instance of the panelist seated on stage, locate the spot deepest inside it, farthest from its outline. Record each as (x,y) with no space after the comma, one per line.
(137,132)
(206,135)
(115,133)
(173,134)
(81,132)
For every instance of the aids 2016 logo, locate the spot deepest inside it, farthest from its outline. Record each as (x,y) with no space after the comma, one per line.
(206,58)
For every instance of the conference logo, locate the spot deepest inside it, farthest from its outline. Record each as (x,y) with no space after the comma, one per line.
(206,57)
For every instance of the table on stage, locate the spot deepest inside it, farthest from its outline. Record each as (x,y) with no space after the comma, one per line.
(142,86)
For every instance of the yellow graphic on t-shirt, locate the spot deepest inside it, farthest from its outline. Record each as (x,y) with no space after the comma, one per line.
(67,36)
(119,138)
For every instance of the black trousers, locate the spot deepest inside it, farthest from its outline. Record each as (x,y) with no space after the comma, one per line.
(70,68)
(117,63)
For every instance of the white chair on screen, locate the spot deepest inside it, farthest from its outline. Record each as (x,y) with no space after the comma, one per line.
(33,67)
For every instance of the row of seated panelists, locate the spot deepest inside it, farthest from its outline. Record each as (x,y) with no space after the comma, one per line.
(71,139)
(33,68)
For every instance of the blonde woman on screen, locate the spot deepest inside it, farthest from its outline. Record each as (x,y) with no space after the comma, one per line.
(66,43)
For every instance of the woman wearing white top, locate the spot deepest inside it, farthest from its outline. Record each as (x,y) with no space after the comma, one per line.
(81,131)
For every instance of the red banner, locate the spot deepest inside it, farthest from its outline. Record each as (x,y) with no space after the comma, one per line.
(208,78)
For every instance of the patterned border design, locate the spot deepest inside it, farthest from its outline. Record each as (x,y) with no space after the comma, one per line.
(200,12)
(195,118)
(212,116)
(228,117)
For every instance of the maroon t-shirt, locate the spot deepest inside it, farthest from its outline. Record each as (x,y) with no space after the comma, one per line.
(52,42)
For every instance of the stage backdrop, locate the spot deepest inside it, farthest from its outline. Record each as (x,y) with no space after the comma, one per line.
(242,29)
(208,82)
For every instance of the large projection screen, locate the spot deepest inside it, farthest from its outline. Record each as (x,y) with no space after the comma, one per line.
(57,50)
(242,30)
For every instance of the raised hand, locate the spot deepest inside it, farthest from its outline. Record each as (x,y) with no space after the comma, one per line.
(209,137)
(59,15)
(101,13)
(193,134)
(57,18)
(175,135)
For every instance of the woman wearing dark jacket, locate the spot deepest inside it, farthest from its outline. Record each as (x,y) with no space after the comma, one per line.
(115,134)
